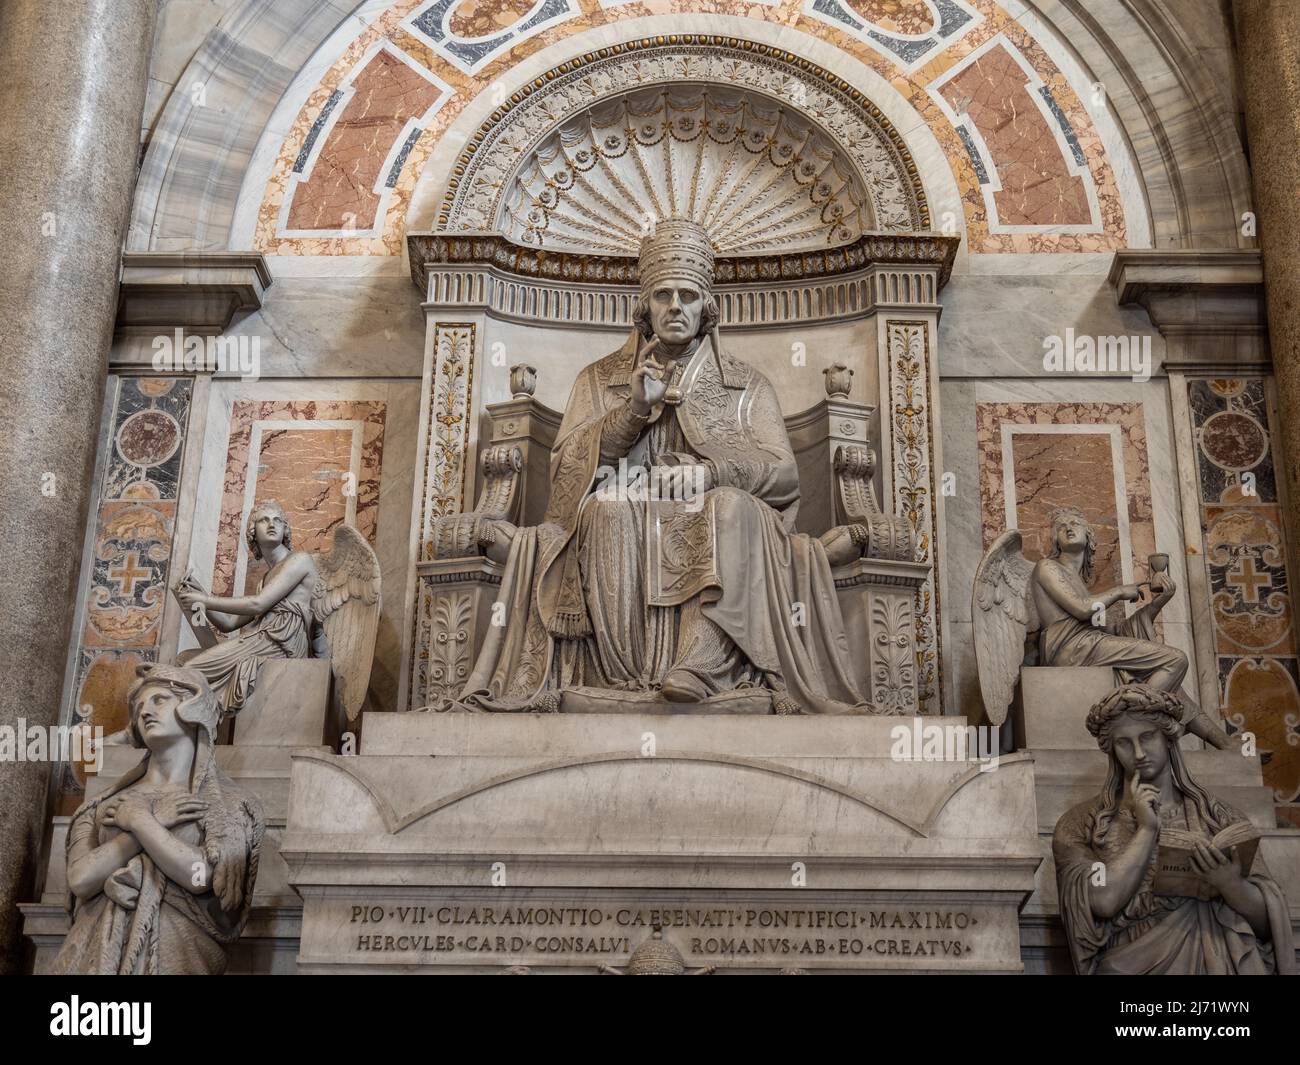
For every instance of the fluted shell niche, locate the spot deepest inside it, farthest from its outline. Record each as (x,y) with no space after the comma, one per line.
(758,177)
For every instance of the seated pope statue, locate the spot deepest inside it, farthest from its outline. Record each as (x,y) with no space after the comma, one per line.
(667,565)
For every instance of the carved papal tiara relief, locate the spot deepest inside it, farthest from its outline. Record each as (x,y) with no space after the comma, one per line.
(769,151)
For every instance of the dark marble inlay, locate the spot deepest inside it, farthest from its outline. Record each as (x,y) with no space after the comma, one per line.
(1064,122)
(315,130)
(976,160)
(396,169)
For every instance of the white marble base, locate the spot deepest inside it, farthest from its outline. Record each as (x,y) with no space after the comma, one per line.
(1052,706)
(462,842)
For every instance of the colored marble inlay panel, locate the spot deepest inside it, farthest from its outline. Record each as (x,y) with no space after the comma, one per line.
(341,191)
(905,31)
(1058,470)
(312,467)
(1245,560)
(126,586)
(319,459)
(471,33)
(1089,455)
(468,45)
(912,17)
(1037,186)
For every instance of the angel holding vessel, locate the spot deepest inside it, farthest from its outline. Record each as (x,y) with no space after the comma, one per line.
(1046,614)
(306,606)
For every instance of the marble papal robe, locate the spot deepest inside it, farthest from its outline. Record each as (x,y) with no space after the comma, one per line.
(612,592)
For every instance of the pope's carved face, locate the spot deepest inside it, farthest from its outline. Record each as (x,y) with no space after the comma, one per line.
(1140,746)
(676,307)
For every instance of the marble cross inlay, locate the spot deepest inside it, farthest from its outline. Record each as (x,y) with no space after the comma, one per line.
(1245,578)
(129,574)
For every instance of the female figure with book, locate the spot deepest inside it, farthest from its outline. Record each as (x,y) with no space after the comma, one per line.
(1155,874)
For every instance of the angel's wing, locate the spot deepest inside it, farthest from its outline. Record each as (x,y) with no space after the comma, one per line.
(1003,611)
(346,605)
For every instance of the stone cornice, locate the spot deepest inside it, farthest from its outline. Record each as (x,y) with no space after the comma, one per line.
(198,291)
(1194,290)
(494,250)
(1207,303)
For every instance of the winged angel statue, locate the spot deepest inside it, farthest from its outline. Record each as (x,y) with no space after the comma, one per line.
(1044,614)
(307,606)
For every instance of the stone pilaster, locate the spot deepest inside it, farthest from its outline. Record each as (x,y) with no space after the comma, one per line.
(73,80)
(454,346)
(1209,307)
(907,325)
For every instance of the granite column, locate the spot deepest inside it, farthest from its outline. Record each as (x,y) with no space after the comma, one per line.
(73,80)
(1268,53)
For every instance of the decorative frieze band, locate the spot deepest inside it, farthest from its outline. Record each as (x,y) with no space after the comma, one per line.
(443,250)
(760,304)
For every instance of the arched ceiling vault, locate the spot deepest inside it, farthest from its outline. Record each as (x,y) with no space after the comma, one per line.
(326,128)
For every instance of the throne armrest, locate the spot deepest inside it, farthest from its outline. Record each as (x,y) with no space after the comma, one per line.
(462,535)
(876,534)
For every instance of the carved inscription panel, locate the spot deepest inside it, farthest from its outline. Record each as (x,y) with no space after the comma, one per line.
(508,928)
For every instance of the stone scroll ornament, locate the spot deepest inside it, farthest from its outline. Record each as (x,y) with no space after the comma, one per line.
(1045,614)
(672,451)
(307,606)
(161,867)
(1156,875)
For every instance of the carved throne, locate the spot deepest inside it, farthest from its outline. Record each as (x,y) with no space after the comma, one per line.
(837,473)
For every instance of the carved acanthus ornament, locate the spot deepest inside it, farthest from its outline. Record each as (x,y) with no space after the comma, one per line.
(909,392)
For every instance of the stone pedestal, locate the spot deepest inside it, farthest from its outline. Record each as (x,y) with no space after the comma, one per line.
(1052,705)
(476,842)
(878,602)
(285,707)
(453,598)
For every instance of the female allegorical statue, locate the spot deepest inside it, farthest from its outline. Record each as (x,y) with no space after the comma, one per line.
(1149,878)
(161,867)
